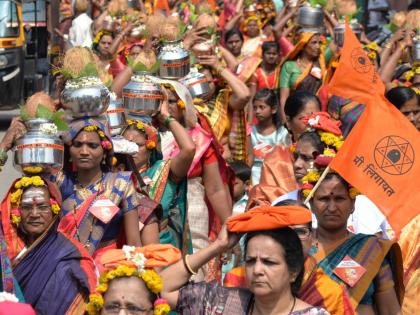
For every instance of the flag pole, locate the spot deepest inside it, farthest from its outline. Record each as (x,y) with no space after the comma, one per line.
(311,194)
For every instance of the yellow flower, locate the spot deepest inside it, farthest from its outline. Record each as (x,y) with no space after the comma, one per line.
(101,134)
(16,219)
(90,128)
(140,125)
(409,75)
(15,196)
(152,280)
(32,169)
(306,192)
(329,152)
(102,288)
(373,46)
(96,302)
(161,309)
(55,208)
(312,177)
(372,55)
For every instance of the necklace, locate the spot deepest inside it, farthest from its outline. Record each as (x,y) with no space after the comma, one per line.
(290,312)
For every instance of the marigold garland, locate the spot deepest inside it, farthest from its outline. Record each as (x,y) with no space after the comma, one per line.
(150,277)
(105,143)
(32,169)
(15,196)
(180,104)
(150,144)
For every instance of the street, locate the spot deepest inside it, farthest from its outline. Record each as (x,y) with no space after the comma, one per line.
(8,173)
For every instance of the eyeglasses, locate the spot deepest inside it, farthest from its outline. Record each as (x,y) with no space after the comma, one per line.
(130,309)
(39,208)
(303,232)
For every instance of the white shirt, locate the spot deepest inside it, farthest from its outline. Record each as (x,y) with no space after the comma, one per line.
(80,33)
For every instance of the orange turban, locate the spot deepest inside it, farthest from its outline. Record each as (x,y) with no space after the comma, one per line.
(156,255)
(269,218)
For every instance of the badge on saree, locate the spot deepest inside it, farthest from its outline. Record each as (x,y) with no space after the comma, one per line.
(349,271)
(104,209)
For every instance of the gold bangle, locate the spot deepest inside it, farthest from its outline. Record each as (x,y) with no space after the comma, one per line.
(388,45)
(187,266)
(402,47)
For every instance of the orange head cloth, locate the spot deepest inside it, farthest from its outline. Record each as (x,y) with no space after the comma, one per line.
(304,38)
(268,218)
(157,255)
(323,121)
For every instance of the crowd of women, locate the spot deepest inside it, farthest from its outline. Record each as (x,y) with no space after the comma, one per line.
(221,207)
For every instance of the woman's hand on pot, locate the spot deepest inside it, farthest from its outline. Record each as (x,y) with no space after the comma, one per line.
(209,60)
(16,130)
(164,107)
(226,240)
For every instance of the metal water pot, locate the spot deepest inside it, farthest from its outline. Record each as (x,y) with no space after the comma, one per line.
(38,148)
(85,97)
(174,60)
(115,115)
(340,29)
(141,96)
(197,83)
(310,17)
(416,47)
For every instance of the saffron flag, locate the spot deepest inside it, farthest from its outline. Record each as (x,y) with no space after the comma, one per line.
(355,78)
(380,157)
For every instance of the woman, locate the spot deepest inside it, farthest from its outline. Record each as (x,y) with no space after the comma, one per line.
(130,282)
(254,37)
(274,269)
(87,182)
(304,67)
(244,66)
(46,262)
(209,198)
(165,179)
(375,280)
(267,76)
(407,101)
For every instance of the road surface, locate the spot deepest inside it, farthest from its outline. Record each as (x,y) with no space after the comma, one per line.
(8,173)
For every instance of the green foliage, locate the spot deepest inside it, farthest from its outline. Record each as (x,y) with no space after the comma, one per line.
(140,67)
(90,70)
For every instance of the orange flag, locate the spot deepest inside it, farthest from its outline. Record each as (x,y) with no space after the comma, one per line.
(381,158)
(355,77)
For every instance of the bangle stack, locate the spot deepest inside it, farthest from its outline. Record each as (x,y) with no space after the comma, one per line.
(168,120)
(187,265)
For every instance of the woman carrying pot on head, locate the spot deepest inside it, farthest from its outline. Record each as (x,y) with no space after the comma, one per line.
(209,198)
(165,178)
(278,174)
(56,274)
(273,268)
(88,187)
(304,68)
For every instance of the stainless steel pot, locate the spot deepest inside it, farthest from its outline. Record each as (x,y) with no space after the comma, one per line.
(86,100)
(38,149)
(115,115)
(340,29)
(174,60)
(197,83)
(416,47)
(141,96)
(310,17)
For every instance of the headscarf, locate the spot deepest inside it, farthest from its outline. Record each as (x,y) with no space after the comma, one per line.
(155,255)
(77,125)
(305,37)
(269,218)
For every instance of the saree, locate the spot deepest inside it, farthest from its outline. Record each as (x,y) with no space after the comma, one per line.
(381,260)
(56,274)
(172,196)
(277,178)
(309,79)
(409,242)
(79,223)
